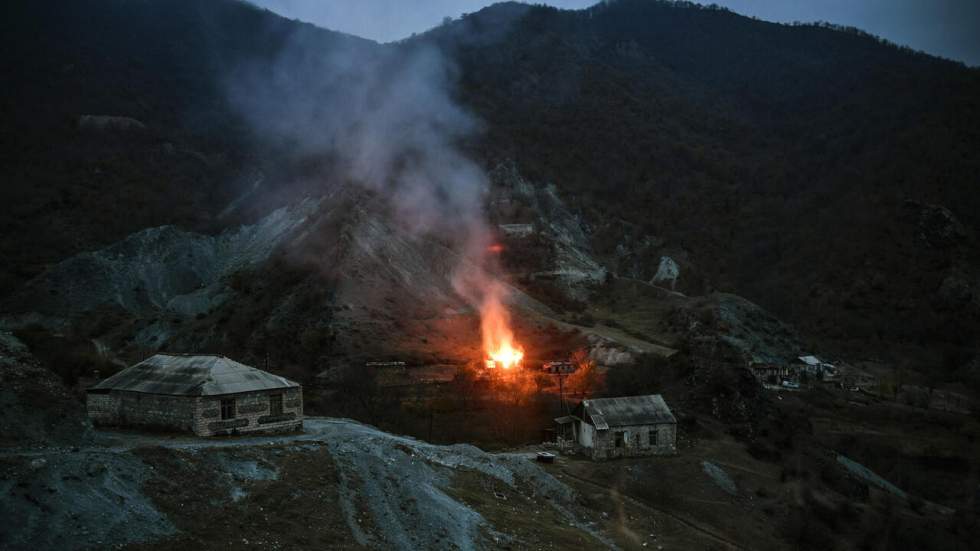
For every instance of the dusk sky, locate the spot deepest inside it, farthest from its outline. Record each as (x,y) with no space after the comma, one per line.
(948,28)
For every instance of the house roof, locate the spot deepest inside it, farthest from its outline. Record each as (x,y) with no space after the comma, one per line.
(814,361)
(627,411)
(192,375)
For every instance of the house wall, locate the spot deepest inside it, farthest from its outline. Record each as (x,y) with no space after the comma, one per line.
(137,409)
(200,415)
(252,413)
(585,435)
(103,409)
(636,441)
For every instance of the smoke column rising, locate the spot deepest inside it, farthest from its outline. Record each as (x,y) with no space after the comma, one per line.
(386,116)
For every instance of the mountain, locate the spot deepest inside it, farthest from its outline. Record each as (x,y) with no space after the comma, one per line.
(76,180)
(672,190)
(816,170)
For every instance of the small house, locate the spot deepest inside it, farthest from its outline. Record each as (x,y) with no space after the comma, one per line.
(770,373)
(517,230)
(632,426)
(817,369)
(558,367)
(206,395)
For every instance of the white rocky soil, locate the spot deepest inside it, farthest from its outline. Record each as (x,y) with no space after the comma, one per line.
(95,491)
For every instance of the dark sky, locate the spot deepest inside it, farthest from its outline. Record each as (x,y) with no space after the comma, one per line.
(948,28)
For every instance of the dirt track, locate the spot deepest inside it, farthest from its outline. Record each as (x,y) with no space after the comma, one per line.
(692,524)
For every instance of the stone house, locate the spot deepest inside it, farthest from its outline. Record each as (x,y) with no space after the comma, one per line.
(817,369)
(517,230)
(771,373)
(632,426)
(207,395)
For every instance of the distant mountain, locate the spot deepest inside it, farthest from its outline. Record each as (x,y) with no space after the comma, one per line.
(72,182)
(819,171)
(824,174)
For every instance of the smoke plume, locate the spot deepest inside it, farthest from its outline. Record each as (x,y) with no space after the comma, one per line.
(386,117)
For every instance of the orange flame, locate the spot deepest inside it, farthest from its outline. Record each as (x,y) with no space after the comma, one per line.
(498,339)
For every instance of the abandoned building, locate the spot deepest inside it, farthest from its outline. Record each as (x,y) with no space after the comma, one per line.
(517,230)
(770,373)
(558,367)
(817,369)
(605,428)
(207,395)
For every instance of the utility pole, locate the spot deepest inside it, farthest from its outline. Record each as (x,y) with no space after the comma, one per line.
(561,394)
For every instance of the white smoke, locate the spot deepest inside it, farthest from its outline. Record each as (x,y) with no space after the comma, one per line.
(386,117)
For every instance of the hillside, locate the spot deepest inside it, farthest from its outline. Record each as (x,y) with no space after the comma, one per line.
(665,192)
(818,171)
(74,186)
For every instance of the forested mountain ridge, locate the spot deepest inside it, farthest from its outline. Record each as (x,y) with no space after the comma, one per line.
(801,166)
(667,195)
(819,172)
(73,187)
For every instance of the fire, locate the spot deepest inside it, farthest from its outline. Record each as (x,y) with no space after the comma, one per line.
(507,356)
(498,339)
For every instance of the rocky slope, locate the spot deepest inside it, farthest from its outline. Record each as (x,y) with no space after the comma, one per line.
(785,166)
(378,491)
(162,270)
(38,409)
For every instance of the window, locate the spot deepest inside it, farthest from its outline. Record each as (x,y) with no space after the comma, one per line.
(620,439)
(275,404)
(228,409)
(653,437)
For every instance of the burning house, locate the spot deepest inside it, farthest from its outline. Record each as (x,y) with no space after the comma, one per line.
(606,428)
(206,395)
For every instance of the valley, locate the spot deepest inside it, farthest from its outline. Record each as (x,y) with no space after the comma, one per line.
(453,241)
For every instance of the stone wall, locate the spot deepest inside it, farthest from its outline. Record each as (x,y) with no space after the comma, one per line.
(200,415)
(136,409)
(252,413)
(103,409)
(636,441)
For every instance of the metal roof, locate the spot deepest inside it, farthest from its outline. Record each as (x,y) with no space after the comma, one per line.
(628,411)
(599,421)
(192,375)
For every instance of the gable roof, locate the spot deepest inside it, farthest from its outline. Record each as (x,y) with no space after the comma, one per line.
(627,411)
(192,375)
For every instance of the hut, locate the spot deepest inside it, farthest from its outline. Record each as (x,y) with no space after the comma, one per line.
(770,373)
(632,426)
(206,395)
(817,369)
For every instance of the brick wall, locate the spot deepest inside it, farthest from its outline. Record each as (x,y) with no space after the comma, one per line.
(252,413)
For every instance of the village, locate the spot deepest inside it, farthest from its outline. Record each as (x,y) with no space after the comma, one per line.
(210,395)
(567,274)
